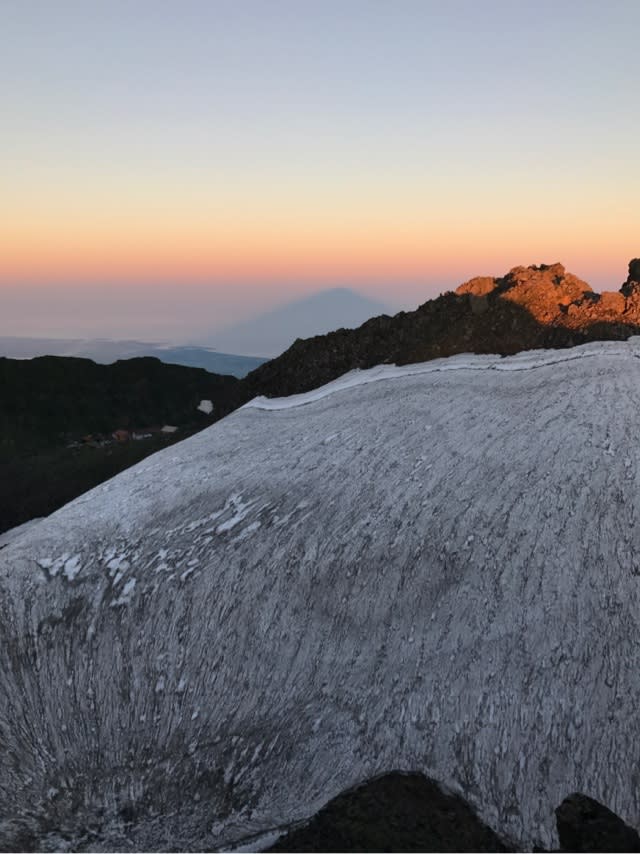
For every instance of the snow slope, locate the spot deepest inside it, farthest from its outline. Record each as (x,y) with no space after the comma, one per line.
(429,568)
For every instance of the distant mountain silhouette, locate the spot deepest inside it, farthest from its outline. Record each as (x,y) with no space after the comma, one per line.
(105,351)
(273,332)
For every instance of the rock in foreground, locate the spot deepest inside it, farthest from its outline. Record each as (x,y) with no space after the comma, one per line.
(586,825)
(528,308)
(398,812)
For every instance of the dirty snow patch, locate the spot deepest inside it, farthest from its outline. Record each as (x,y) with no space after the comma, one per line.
(72,567)
(205,406)
(127,593)
(240,510)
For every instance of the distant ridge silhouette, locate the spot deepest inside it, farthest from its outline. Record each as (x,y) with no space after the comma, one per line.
(105,351)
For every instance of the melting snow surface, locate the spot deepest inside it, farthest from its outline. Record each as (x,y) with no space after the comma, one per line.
(434,567)
(13,533)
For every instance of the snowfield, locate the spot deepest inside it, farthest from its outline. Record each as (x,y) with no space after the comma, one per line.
(432,568)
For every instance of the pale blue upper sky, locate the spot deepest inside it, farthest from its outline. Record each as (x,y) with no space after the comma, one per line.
(295,132)
(278,68)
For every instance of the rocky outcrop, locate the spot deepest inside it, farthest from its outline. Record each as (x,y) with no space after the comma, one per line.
(397,812)
(554,297)
(528,308)
(632,285)
(478,287)
(409,812)
(544,291)
(586,825)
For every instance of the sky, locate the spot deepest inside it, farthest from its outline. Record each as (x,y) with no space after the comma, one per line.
(169,168)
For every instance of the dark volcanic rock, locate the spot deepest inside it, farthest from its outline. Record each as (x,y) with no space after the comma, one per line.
(397,812)
(408,812)
(586,825)
(633,279)
(528,308)
(444,326)
(479,287)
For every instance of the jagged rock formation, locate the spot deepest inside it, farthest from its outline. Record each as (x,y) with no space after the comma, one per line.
(430,569)
(557,298)
(632,285)
(528,308)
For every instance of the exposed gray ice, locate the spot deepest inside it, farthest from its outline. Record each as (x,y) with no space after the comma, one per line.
(435,571)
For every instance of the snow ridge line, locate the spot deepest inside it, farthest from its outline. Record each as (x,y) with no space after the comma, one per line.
(527,361)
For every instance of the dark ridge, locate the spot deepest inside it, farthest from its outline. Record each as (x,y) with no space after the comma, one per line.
(528,308)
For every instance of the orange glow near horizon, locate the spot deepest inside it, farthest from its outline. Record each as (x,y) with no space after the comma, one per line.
(355,225)
(80,250)
(234,156)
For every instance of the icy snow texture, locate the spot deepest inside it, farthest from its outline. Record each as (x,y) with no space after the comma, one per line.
(435,571)
(13,533)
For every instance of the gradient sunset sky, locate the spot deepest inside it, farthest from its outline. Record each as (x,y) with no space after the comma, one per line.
(169,167)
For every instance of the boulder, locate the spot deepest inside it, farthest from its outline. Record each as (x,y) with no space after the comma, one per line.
(612,302)
(396,812)
(478,287)
(632,285)
(584,824)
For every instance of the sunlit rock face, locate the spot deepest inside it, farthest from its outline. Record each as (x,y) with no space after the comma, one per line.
(554,297)
(528,308)
(432,568)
